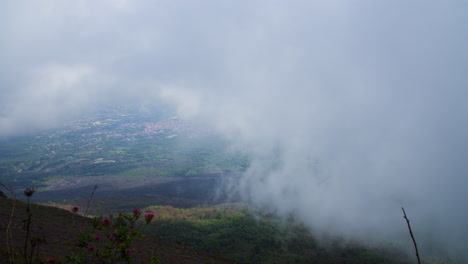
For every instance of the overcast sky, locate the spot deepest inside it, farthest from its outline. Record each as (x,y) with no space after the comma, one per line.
(350,109)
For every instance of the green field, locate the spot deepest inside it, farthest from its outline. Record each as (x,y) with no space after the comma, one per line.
(116,142)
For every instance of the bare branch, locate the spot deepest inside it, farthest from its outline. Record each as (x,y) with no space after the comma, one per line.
(87,207)
(9,233)
(412,236)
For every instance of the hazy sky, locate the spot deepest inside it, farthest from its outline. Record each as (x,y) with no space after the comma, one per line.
(351,109)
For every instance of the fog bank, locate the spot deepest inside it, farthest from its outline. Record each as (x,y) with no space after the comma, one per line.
(349,109)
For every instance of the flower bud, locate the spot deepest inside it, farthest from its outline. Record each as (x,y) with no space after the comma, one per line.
(136,212)
(149,217)
(29,191)
(106,221)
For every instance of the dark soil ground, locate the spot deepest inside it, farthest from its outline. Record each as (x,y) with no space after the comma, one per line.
(119,195)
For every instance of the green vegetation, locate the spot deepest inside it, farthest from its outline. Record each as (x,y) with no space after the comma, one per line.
(111,240)
(256,237)
(116,142)
(231,231)
(55,235)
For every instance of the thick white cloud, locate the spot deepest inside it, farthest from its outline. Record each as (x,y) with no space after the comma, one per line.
(350,109)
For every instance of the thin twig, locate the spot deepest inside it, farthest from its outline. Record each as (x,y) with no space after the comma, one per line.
(28,192)
(87,207)
(412,236)
(28,224)
(9,233)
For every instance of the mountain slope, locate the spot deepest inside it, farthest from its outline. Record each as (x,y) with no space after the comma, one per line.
(59,228)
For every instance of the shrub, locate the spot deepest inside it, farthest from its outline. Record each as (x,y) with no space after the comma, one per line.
(116,244)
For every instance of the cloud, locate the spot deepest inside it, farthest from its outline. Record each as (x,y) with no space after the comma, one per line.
(349,109)
(51,90)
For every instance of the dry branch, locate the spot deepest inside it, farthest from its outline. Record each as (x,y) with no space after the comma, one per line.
(412,236)
(9,233)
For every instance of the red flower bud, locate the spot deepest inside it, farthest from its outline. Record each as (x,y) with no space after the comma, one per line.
(136,212)
(106,221)
(149,217)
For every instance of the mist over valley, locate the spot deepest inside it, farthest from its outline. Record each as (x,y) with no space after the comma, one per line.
(335,114)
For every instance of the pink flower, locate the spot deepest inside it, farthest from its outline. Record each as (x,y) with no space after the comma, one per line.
(90,248)
(97,238)
(131,227)
(111,238)
(149,217)
(136,212)
(106,221)
(51,260)
(75,209)
(128,251)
